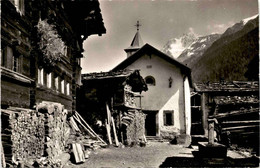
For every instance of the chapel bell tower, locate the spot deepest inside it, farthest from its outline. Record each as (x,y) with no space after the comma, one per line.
(136,44)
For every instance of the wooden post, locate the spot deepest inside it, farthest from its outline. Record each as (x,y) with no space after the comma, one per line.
(2,156)
(108,127)
(108,132)
(114,130)
(211,131)
(205,111)
(121,128)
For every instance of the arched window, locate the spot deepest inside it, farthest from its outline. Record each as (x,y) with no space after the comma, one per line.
(149,80)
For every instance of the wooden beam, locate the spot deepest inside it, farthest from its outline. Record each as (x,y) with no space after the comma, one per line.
(114,130)
(78,153)
(108,132)
(93,132)
(3,163)
(238,112)
(240,122)
(239,127)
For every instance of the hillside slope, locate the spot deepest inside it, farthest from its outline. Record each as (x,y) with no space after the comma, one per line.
(232,57)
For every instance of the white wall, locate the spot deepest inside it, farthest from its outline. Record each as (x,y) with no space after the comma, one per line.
(160,97)
(187,106)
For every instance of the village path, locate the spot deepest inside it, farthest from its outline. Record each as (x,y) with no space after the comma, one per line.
(153,155)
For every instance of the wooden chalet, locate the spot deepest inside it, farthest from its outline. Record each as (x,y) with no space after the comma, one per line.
(41,48)
(117,95)
(235,105)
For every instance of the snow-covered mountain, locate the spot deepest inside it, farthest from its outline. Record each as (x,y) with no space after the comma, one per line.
(198,47)
(189,47)
(233,56)
(238,26)
(175,46)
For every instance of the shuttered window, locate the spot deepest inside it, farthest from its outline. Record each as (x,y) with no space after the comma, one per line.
(68,89)
(168,117)
(40,76)
(49,80)
(62,86)
(57,83)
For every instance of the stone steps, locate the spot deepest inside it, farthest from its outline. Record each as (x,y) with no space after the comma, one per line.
(155,139)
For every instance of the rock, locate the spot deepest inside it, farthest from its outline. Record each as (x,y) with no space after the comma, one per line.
(142,144)
(64,158)
(184,140)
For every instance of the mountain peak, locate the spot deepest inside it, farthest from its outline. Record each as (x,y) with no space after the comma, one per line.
(244,21)
(175,46)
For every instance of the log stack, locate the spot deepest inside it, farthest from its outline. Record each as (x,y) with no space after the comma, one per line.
(57,130)
(6,132)
(26,135)
(44,136)
(134,120)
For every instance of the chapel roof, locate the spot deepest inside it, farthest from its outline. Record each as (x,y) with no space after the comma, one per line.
(148,49)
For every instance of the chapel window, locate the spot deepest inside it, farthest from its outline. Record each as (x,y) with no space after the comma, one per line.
(150,80)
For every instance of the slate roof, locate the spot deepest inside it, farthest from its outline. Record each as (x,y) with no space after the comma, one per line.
(107,75)
(148,49)
(234,100)
(131,77)
(233,86)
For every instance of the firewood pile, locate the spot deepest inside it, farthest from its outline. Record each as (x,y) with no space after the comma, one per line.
(135,122)
(44,137)
(24,135)
(57,130)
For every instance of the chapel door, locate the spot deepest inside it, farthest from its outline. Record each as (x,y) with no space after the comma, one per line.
(150,123)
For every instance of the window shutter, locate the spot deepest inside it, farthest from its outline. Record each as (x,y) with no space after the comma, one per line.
(164,118)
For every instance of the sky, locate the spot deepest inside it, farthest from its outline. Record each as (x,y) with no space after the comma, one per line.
(160,21)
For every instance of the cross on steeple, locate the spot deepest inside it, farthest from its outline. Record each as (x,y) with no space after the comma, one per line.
(137,25)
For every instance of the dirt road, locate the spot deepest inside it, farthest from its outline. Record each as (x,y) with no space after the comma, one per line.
(153,155)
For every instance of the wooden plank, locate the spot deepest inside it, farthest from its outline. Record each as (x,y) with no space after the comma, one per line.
(3,163)
(145,140)
(78,116)
(108,114)
(93,132)
(240,122)
(114,130)
(239,127)
(238,112)
(108,132)
(78,153)
(73,124)
(19,109)
(7,112)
